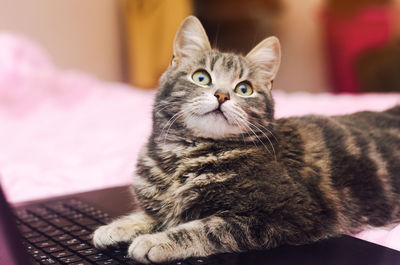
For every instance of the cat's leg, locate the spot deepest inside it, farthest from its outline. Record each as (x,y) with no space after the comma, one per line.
(198,238)
(123,230)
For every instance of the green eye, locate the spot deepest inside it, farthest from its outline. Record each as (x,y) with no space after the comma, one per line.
(244,89)
(201,77)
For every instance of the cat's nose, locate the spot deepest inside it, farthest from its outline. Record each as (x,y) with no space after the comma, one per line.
(221,96)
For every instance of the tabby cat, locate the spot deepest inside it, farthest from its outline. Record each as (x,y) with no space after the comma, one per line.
(220,174)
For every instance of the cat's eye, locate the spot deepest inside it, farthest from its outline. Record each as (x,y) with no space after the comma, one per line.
(201,77)
(244,89)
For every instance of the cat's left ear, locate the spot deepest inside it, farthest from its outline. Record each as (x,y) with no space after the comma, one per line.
(267,56)
(190,39)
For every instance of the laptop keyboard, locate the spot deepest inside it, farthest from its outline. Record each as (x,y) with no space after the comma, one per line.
(61,233)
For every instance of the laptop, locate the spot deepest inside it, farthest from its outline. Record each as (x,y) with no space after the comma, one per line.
(58,231)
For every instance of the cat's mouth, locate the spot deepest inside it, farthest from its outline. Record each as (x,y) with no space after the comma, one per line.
(217,112)
(212,121)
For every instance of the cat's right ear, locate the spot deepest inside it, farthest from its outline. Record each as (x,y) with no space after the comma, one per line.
(267,56)
(190,39)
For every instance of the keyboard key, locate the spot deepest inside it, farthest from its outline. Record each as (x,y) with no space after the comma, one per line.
(93,227)
(71,242)
(72,228)
(60,222)
(87,238)
(54,233)
(39,210)
(29,247)
(45,244)
(39,255)
(80,246)
(31,234)
(116,252)
(38,224)
(37,239)
(46,229)
(49,261)
(81,232)
(88,252)
(53,249)
(62,237)
(86,221)
(76,215)
(86,209)
(98,257)
(24,229)
(50,216)
(61,254)
(69,213)
(97,214)
(23,213)
(71,259)
(108,262)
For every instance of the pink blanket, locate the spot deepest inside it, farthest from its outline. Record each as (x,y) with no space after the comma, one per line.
(64,131)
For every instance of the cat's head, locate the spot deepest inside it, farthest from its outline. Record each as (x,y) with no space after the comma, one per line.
(214,94)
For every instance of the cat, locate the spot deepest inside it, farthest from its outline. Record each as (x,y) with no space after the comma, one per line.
(220,174)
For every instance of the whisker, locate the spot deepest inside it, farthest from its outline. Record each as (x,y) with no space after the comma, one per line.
(177,116)
(166,124)
(240,127)
(258,139)
(248,124)
(161,109)
(247,132)
(272,146)
(265,128)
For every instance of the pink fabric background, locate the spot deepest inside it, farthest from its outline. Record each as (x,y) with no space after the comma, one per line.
(64,131)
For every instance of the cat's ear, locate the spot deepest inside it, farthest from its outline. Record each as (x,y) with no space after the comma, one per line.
(267,56)
(190,39)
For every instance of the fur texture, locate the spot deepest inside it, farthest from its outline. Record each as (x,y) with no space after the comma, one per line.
(224,175)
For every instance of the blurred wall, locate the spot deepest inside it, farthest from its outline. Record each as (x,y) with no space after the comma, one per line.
(78,34)
(303,66)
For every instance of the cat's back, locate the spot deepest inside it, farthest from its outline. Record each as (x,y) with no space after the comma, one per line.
(352,133)
(355,157)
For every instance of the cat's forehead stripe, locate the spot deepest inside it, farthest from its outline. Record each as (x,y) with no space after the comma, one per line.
(203,61)
(214,60)
(229,63)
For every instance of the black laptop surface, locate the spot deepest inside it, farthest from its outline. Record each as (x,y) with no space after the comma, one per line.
(58,231)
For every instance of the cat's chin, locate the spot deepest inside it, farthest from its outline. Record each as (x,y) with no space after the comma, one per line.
(213,124)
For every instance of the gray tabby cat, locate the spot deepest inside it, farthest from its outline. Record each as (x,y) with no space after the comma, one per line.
(220,174)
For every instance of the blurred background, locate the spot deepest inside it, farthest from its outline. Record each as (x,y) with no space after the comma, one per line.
(78,77)
(328,45)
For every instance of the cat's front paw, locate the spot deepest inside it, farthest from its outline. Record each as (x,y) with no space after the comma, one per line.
(110,236)
(153,248)
(122,230)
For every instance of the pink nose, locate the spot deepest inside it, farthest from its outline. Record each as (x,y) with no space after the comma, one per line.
(222,97)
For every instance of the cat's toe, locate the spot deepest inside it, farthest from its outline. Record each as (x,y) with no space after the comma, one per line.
(150,249)
(110,236)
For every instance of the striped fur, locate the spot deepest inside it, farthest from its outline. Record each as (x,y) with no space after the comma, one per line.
(205,190)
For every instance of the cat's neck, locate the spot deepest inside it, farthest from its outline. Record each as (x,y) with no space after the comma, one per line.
(182,143)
